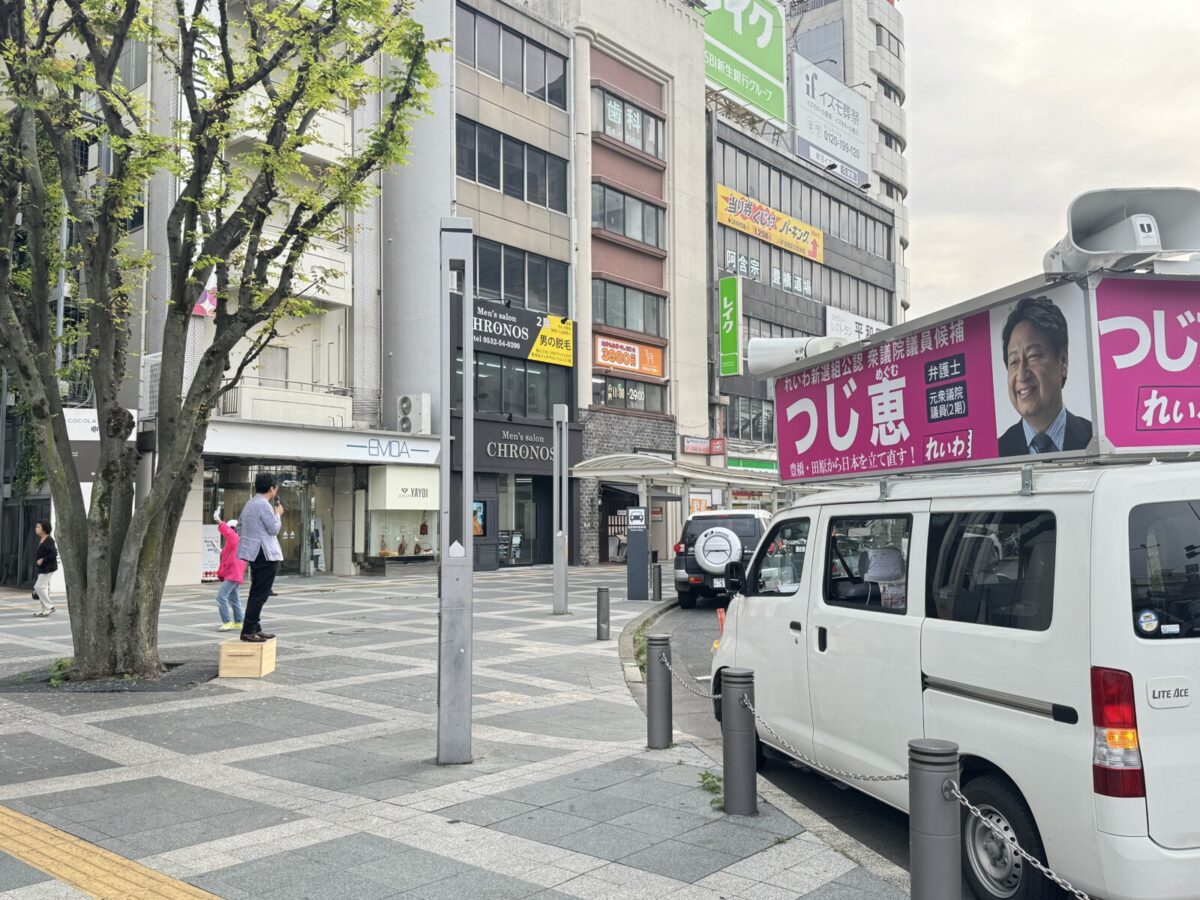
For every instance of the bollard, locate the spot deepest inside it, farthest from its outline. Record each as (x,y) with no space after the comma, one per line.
(934,820)
(659,733)
(657,582)
(738,735)
(602,614)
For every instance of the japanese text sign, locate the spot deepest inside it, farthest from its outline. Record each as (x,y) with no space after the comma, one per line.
(524,333)
(758,220)
(616,354)
(744,53)
(1149,334)
(729,324)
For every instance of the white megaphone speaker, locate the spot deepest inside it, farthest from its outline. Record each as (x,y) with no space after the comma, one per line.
(766,357)
(1121,229)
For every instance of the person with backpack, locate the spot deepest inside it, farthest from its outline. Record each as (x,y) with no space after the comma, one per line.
(47,564)
(231,572)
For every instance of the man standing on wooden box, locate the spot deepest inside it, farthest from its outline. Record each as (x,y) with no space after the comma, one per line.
(259,546)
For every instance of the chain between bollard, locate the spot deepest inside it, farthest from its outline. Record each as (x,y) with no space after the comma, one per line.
(699,693)
(809,761)
(1012,844)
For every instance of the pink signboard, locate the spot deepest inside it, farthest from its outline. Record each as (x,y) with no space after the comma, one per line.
(994,383)
(1149,362)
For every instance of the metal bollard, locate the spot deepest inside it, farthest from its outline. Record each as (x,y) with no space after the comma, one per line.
(602,614)
(933,820)
(656,582)
(738,735)
(659,729)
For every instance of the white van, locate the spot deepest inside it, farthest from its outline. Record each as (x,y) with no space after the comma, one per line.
(1052,633)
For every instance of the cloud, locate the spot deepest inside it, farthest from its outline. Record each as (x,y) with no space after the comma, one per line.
(1014,109)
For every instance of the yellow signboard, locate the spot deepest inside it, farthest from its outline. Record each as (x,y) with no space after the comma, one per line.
(747,215)
(555,341)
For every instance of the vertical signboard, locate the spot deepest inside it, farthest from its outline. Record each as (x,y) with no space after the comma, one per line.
(637,554)
(744,53)
(730,325)
(832,122)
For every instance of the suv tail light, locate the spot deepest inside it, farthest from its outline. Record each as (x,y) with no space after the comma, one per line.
(679,548)
(1116,753)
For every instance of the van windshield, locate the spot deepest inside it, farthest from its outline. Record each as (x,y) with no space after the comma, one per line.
(1164,569)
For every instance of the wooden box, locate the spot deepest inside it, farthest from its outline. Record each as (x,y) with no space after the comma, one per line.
(243,659)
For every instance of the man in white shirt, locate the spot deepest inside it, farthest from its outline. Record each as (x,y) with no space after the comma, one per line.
(259,546)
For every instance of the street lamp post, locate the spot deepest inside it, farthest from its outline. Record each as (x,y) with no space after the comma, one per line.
(457,557)
(562,505)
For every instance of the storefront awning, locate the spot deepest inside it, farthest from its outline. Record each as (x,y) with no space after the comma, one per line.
(656,471)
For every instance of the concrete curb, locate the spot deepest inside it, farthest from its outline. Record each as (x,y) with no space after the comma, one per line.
(633,675)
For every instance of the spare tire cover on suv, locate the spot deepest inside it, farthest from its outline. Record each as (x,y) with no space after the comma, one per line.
(715,547)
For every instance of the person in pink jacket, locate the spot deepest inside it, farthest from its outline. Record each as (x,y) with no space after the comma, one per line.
(232,573)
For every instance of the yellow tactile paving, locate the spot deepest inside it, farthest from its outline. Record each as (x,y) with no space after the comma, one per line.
(85,867)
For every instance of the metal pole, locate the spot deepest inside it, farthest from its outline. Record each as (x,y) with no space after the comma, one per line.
(3,438)
(738,736)
(933,820)
(659,730)
(457,558)
(561,507)
(602,614)
(656,585)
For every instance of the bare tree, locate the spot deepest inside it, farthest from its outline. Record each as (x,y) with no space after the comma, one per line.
(253,78)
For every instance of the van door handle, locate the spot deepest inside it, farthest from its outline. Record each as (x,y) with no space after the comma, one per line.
(822,639)
(795,626)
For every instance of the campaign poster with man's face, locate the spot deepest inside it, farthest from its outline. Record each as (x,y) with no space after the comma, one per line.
(1042,392)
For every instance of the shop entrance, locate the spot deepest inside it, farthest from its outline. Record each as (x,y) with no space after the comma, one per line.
(613,519)
(229,486)
(18,551)
(525,520)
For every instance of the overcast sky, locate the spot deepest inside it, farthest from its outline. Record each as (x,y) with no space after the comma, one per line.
(1015,108)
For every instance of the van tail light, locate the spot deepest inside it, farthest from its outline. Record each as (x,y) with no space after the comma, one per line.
(1116,753)
(679,548)
(720,621)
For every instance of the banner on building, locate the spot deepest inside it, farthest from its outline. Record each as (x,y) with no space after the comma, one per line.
(839,323)
(744,54)
(729,324)
(612,353)
(747,215)
(524,333)
(832,122)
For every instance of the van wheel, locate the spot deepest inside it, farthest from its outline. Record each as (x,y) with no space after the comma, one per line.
(991,868)
(687,599)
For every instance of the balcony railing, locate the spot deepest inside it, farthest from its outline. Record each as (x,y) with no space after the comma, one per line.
(288,400)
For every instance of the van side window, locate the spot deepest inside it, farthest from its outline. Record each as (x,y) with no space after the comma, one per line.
(778,568)
(1164,569)
(866,563)
(992,568)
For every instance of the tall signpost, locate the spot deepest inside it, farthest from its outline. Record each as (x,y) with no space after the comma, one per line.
(457,546)
(562,505)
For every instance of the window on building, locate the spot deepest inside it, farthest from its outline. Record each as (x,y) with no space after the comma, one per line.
(556,183)
(525,172)
(520,278)
(515,387)
(487,45)
(626,122)
(535,176)
(556,80)
(891,140)
(558,287)
(488,142)
(992,568)
(628,216)
(464,36)
(513,54)
(537,298)
(891,91)
(273,366)
(889,41)
(535,71)
(514,275)
(625,393)
(751,419)
(514,168)
(488,267)
(488,385)
(892,190)
(132,64)
(866,564)
(465,148)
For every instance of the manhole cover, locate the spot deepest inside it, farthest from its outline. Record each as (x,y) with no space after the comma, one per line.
(359,631)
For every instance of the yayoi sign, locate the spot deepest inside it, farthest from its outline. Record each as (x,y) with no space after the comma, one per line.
(1056,369)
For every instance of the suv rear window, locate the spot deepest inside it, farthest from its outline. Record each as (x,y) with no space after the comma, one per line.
(1164,569)
(743,526)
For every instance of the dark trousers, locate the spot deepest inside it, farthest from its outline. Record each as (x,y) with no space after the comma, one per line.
(262,579)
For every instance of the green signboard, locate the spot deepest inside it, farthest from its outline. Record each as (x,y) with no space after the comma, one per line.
(729,324)
(744,53)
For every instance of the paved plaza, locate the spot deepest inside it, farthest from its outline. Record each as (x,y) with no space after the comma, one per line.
(318,780)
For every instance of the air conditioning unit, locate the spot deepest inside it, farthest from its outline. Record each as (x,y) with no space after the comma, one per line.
(413,414)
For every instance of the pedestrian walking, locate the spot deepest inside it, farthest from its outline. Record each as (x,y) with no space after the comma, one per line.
(258,545)
(231,572)
(47,564)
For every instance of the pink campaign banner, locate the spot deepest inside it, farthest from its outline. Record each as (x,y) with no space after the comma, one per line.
(923,399)
(1149,362)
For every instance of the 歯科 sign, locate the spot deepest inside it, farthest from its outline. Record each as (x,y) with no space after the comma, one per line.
(612,353)
(744,53)
(729,324)
(747,215)
(525,334)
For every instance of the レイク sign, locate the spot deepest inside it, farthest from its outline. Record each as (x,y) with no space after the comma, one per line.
(729,324)
(744,53)
(747,215)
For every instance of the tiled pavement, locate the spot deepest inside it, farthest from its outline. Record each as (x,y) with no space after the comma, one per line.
(318,781)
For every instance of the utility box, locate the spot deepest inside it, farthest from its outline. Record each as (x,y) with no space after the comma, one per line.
(243,659)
